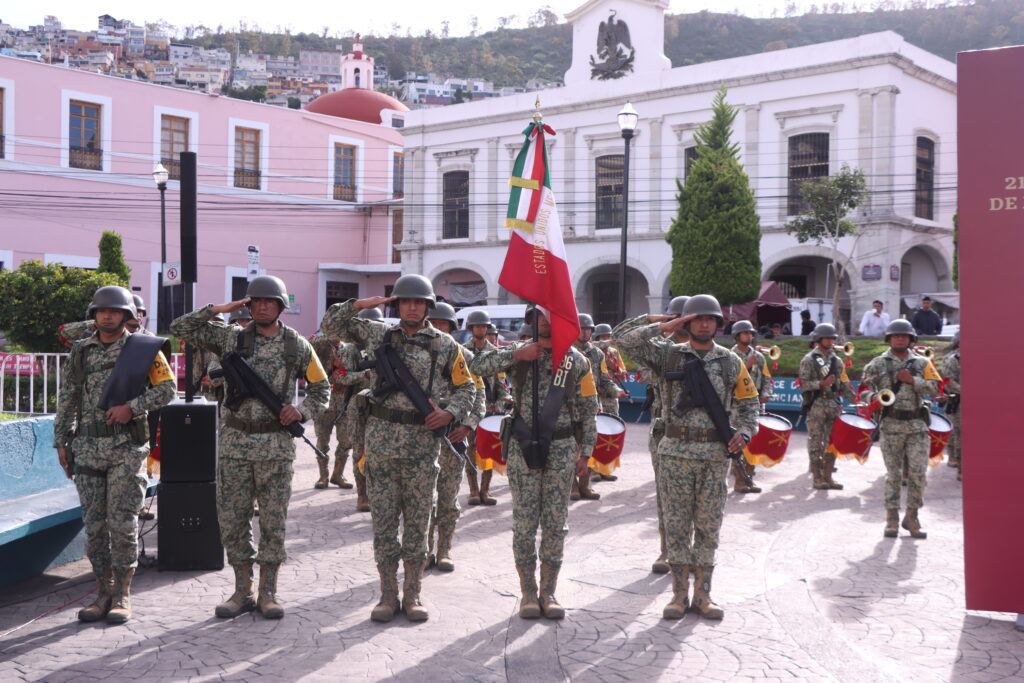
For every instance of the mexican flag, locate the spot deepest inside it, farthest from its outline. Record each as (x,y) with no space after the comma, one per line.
(535,266)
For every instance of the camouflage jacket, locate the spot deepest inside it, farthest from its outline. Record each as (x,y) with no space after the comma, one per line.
(79,400)
(348,373)
(760,375)
(606,386)
(72,332)
(202,328)
(479,396)
(327,352)
(616,368)
(811,376)
(497,396)
(880,374)
(580,404)
(951,371)
(726,371)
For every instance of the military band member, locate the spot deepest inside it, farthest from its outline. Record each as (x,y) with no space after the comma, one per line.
(602,339)
(761,376)
(256,453)
(540,489)
(951,372)
(328,350)
(606,386)
(823,382)
(400,450)
(904,424)
(692,461)
(102,447)
(497,399)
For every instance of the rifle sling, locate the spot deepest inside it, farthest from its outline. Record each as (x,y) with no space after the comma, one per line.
(131,371)
(550,409)
(694,369)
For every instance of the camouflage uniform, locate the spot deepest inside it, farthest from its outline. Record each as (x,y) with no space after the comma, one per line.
(496,396)
(108,465)
(823,413)
(256,453)
(692,460)
(352,424)
(904,431)
(401,455)
(610,400)
(606,387)
(540,497)
(951,371)
(761,376)
(328,352)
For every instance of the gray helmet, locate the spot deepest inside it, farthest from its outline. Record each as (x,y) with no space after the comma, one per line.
(900,326)
(477,318)
(414,287)
(370,314)
(823,330)
(140,305)
(742,326)
(268,287)
(704,304)
(112,296)
(526,331)
(586,321)
(241,314)
(603,328)
(675,307)
(492,328)
(443,311)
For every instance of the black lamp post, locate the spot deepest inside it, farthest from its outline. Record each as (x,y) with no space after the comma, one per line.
(627,124)
(160,176)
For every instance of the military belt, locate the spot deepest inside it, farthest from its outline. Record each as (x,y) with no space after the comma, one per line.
(566,432)
(396,415)
(904,414)
(251,426)
(674,431)
(103,429)
(90,471)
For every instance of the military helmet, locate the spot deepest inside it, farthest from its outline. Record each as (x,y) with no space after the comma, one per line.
(370,314)
(602,329)
(900,326)
(492,328)
(822,330)
(112,296)
(586,321)
(526,331)
(268,287)
(675,307)
(742,326)
(477,318)
(140,305)
(242,313)
(704,304)
(414,287)
(444,311)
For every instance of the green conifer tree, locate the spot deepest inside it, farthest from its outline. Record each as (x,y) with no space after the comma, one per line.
(112,257)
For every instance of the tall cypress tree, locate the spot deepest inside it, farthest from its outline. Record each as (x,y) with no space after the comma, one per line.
(112,257)
(716,236)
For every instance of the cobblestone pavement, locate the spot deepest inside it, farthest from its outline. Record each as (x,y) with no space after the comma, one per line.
(811,589)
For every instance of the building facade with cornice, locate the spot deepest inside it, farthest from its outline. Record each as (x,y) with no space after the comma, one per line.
(873,102)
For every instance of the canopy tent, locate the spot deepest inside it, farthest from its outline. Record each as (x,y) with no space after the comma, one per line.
(771,306)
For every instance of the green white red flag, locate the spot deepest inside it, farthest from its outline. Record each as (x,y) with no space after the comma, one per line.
(535,265)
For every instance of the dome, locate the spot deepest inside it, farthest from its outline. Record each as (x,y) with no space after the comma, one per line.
(359,104)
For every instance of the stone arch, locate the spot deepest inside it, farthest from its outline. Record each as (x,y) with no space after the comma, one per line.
(596,288)
(771,263)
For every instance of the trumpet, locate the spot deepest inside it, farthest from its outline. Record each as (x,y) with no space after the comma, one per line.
(848,349)
(925,351)
(773,352)
(886,397)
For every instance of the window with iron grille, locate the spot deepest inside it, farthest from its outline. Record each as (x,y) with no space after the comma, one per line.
(455,220)
(247,158)
(608,191)
(924,191)
(173,141)
(84,144)
(345,172)
(398,175)
(340,292)
(397,234)
(808,158)
(689,156)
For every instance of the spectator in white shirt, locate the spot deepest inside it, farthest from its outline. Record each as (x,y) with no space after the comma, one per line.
(874,322)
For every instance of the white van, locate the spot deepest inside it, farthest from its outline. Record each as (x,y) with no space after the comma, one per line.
(505,317)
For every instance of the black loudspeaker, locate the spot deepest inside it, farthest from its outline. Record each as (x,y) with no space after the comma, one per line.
(188,536)
(188,442)
(188,217)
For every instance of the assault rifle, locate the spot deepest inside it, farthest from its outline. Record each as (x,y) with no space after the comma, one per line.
(243,382)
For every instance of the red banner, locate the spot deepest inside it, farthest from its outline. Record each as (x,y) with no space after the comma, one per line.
(20,364)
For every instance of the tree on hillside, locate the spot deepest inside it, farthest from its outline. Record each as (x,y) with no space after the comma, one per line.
(829,201)
(716,236)
(112,258)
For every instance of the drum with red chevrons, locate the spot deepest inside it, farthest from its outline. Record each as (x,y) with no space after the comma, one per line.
(611,438)
(488,439)
(771,441)
(851,437)
(938,431)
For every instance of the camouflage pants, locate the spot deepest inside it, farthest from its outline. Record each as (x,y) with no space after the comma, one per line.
(449,479)
(914,448)
(323,426)
(657,432)
(819,430)
(541,498)
(692,494)
(955,439)
(240,483)
(610,405)
(110,511)
(400,489)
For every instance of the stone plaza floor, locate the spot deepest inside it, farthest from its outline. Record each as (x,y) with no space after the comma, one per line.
(811,590)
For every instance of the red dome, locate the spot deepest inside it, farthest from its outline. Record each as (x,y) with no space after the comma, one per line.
(359,104)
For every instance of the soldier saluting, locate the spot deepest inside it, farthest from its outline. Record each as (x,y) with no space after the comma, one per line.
(106,430)
(823,381)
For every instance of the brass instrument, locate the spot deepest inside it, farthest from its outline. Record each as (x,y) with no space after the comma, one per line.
(886,397)
(925,351)
(848,349)
(773,352)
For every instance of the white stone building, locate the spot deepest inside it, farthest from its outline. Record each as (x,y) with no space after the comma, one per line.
(875,102)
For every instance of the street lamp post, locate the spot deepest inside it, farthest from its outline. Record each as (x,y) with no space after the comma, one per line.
(160,176)
(627,124)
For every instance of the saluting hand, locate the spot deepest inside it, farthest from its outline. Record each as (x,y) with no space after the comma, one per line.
(373,302)
(231,306)
(676,324)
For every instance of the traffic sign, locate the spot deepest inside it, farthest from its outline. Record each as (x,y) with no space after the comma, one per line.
(172,274)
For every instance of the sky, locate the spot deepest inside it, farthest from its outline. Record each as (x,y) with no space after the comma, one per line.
(349,17)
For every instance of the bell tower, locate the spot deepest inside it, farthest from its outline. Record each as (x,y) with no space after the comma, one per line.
(357,67)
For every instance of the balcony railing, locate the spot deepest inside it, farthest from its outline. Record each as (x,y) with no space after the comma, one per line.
(173,167)
(91,159)
(248,178)
(345,193)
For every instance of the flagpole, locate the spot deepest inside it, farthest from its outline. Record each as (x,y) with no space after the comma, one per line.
(535,423)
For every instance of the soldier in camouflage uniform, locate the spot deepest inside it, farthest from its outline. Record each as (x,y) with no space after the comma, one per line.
(540,497)
(328,350)
(823,381)
(606,387)
(213,389)
(256,453)
(616,368)
(497,401)
(109,447)
(951,372)
(904,424)
(357,385)
(401,453)
(757,366)
(692,459)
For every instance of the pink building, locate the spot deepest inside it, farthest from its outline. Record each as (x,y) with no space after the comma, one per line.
(318,194)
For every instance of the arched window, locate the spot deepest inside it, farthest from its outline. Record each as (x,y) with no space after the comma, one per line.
(455,218)
(608,192)
(808,158)
(358,77)
(924,190)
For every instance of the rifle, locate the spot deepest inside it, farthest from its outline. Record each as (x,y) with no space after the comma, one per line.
(648,403)
(243,382)
(394,375)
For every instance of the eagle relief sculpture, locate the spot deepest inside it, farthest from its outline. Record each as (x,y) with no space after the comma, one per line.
(614,49)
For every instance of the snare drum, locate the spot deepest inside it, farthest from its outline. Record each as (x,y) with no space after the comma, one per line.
(771,441)
(851,437)
(488,439)
(938,431)
(611,437)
